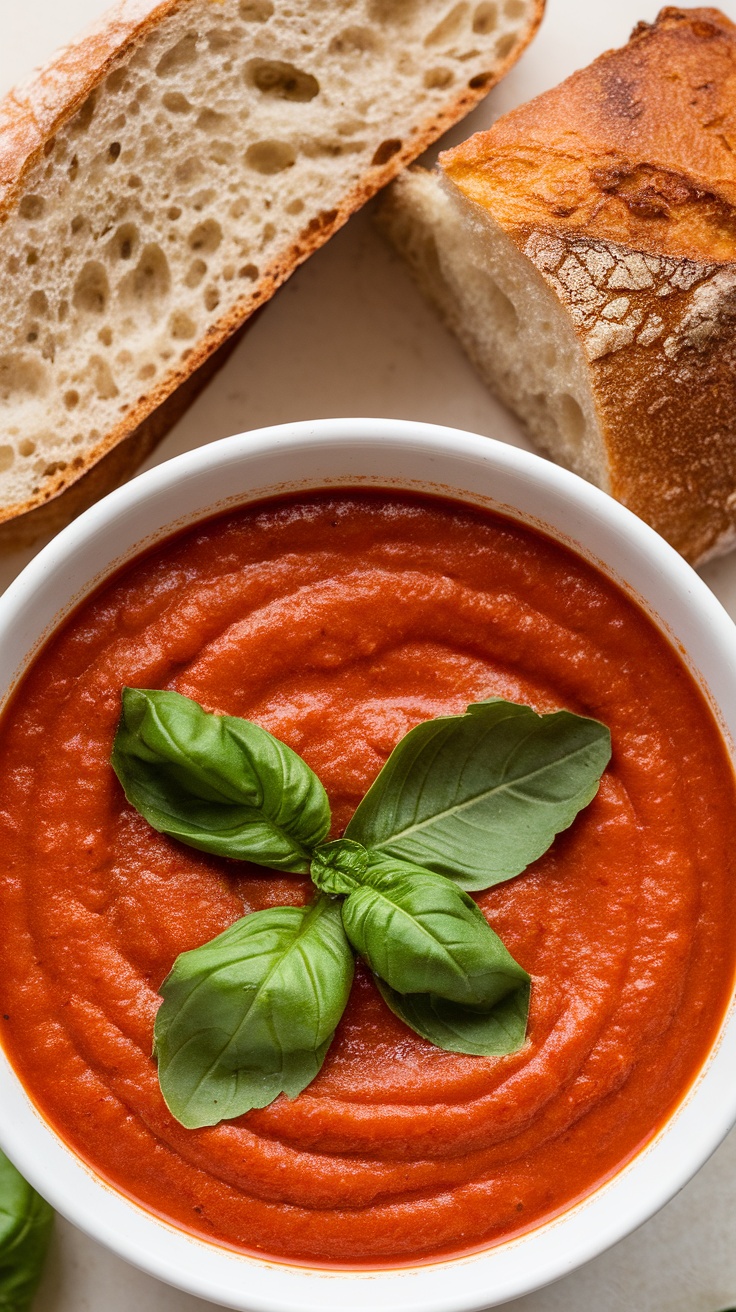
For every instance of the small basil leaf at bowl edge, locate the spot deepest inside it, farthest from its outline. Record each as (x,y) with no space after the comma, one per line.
(218,783)
(422,934)
(252,1013)
(496,1032)
(478,797)
(25,1229)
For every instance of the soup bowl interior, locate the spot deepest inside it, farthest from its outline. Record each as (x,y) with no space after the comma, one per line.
(436,461)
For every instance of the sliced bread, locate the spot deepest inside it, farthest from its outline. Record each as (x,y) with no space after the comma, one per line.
(167,173)
(584,252)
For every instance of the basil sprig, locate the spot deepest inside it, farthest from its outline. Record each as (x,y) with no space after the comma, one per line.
(462,803)
(25,1228)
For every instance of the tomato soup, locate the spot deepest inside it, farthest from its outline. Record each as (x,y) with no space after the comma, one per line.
(338,622)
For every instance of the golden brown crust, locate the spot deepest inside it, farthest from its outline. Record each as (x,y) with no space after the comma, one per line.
(659,334)
(639,147)
(30,116)
(620,186)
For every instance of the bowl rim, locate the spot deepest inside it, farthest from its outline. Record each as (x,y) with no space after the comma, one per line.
(644,563)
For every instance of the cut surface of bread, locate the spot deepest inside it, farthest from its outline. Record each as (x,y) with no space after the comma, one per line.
(168,172)
(584,252)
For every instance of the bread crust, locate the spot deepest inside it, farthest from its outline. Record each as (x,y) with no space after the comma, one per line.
(29,118)
(620,186)
(639,147)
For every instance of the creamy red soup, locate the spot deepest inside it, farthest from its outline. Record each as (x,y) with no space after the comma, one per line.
(338,622)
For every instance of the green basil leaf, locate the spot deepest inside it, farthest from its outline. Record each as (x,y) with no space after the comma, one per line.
(251,1014)
(493,1033)
(422,934)
(25,1229)
(218,783)
(477,797)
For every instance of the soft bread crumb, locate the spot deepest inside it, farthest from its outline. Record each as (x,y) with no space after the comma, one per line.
(508,320)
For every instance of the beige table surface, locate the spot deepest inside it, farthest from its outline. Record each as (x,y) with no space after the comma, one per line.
(348,335)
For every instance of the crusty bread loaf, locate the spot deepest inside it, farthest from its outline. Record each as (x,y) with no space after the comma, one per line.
(165,174)
(584,251)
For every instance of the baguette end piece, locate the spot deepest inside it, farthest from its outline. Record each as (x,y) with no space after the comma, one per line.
(629,221)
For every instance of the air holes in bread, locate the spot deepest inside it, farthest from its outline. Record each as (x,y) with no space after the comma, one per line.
(270,156)
(71,399)
(182,327)
(102,379)
(505,45)
(355,41)
(273,77)
(221,152)
(179,56)
(195,273)
(38,303)
(255,11)
(514,9)
(92,289)
(249,271)
(449,27)
(206,237)
(438,78)
(394,11)
(150,280)
(175,102)
(32,208)
(485,18)
(118,80)
(84,116)
(21,377)
(208,120)
(189,170)
(7,456)
(386,151)
(211,298)
(219,39)
(122,245)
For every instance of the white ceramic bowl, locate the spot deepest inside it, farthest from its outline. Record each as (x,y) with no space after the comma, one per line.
(420,457)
